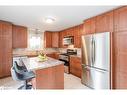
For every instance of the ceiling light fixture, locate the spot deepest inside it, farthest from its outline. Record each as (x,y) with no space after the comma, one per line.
(49,20)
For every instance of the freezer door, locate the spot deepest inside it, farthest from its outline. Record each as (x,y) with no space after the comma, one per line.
(101,51)
(87,50)
(95,78)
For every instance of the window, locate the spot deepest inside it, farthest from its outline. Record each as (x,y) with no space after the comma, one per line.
(35,41)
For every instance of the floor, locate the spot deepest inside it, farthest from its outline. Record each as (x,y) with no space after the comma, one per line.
(70,82)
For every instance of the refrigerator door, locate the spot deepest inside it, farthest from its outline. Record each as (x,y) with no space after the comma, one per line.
(87,49)
(101,51)
(95,78)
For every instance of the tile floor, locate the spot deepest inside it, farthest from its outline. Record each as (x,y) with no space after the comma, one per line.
(70,82)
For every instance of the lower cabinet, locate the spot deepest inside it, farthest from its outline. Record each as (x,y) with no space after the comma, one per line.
(53,55)
(75,66)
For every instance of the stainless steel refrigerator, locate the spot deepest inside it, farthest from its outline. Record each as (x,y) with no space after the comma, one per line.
(96,60)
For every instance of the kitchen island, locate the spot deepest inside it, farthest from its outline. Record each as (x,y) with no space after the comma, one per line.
(49,74)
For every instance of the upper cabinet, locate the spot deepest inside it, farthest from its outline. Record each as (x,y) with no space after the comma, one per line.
(73,31)
(89,26)
(55,39)
(51,39)
(48,39)
(19,37)
(62,34)
(77,36)
(104,22)
(101,23)
(120,19)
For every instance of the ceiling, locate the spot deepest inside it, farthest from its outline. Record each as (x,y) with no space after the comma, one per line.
(65,16)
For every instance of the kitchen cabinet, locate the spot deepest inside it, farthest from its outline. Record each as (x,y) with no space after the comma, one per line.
(55,39)
(19,36)
(73,31)
(77,36)
(104,22)
(89,26)
(48,39)
(120,19)
(5,48)
(53,55)
(120,60)
(61,36)
(50,55)
(75,66)
(56,56)
(51,39)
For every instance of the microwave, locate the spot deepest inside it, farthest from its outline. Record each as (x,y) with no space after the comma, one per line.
(68,40)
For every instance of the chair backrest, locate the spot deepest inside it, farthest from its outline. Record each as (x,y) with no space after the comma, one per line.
(14,74)
(17,68)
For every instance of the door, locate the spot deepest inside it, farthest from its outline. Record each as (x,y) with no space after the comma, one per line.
(87,49)
(101,51)
(95,78)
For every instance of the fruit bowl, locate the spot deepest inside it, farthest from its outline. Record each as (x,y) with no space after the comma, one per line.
(41,58)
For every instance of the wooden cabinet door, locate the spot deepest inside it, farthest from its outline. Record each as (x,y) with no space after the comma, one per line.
(60,39)
(5,48)
(89,26)
(19,37)
(104,22)
(77,41)
(48,39)
(75,66)
(120,19)
(56,56)
(62,34)
(7,55)
(51,55)
(1,51)
(120,60)
(55,39)
(77,36)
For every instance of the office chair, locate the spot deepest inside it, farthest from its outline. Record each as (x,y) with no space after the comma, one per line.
(21,75)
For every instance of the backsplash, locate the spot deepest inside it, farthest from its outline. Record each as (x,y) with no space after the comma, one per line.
(25,50)
(45,50)
(63,50)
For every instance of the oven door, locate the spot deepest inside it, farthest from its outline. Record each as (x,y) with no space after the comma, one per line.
(66,63)
(66,66)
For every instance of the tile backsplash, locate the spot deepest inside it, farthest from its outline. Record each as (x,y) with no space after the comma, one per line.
(63,50)
(25,50)
(45,50)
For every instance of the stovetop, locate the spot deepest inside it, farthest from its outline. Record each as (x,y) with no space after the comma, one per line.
(70,52)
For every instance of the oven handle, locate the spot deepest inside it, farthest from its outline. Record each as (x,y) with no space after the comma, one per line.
(64,60)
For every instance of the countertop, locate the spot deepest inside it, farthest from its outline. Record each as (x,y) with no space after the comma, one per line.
(75,56)
(33,64)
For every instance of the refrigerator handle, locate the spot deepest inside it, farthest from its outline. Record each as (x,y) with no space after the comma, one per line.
(95,69)
(94,52)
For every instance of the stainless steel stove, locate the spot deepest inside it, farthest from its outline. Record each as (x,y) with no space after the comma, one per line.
(65,57)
